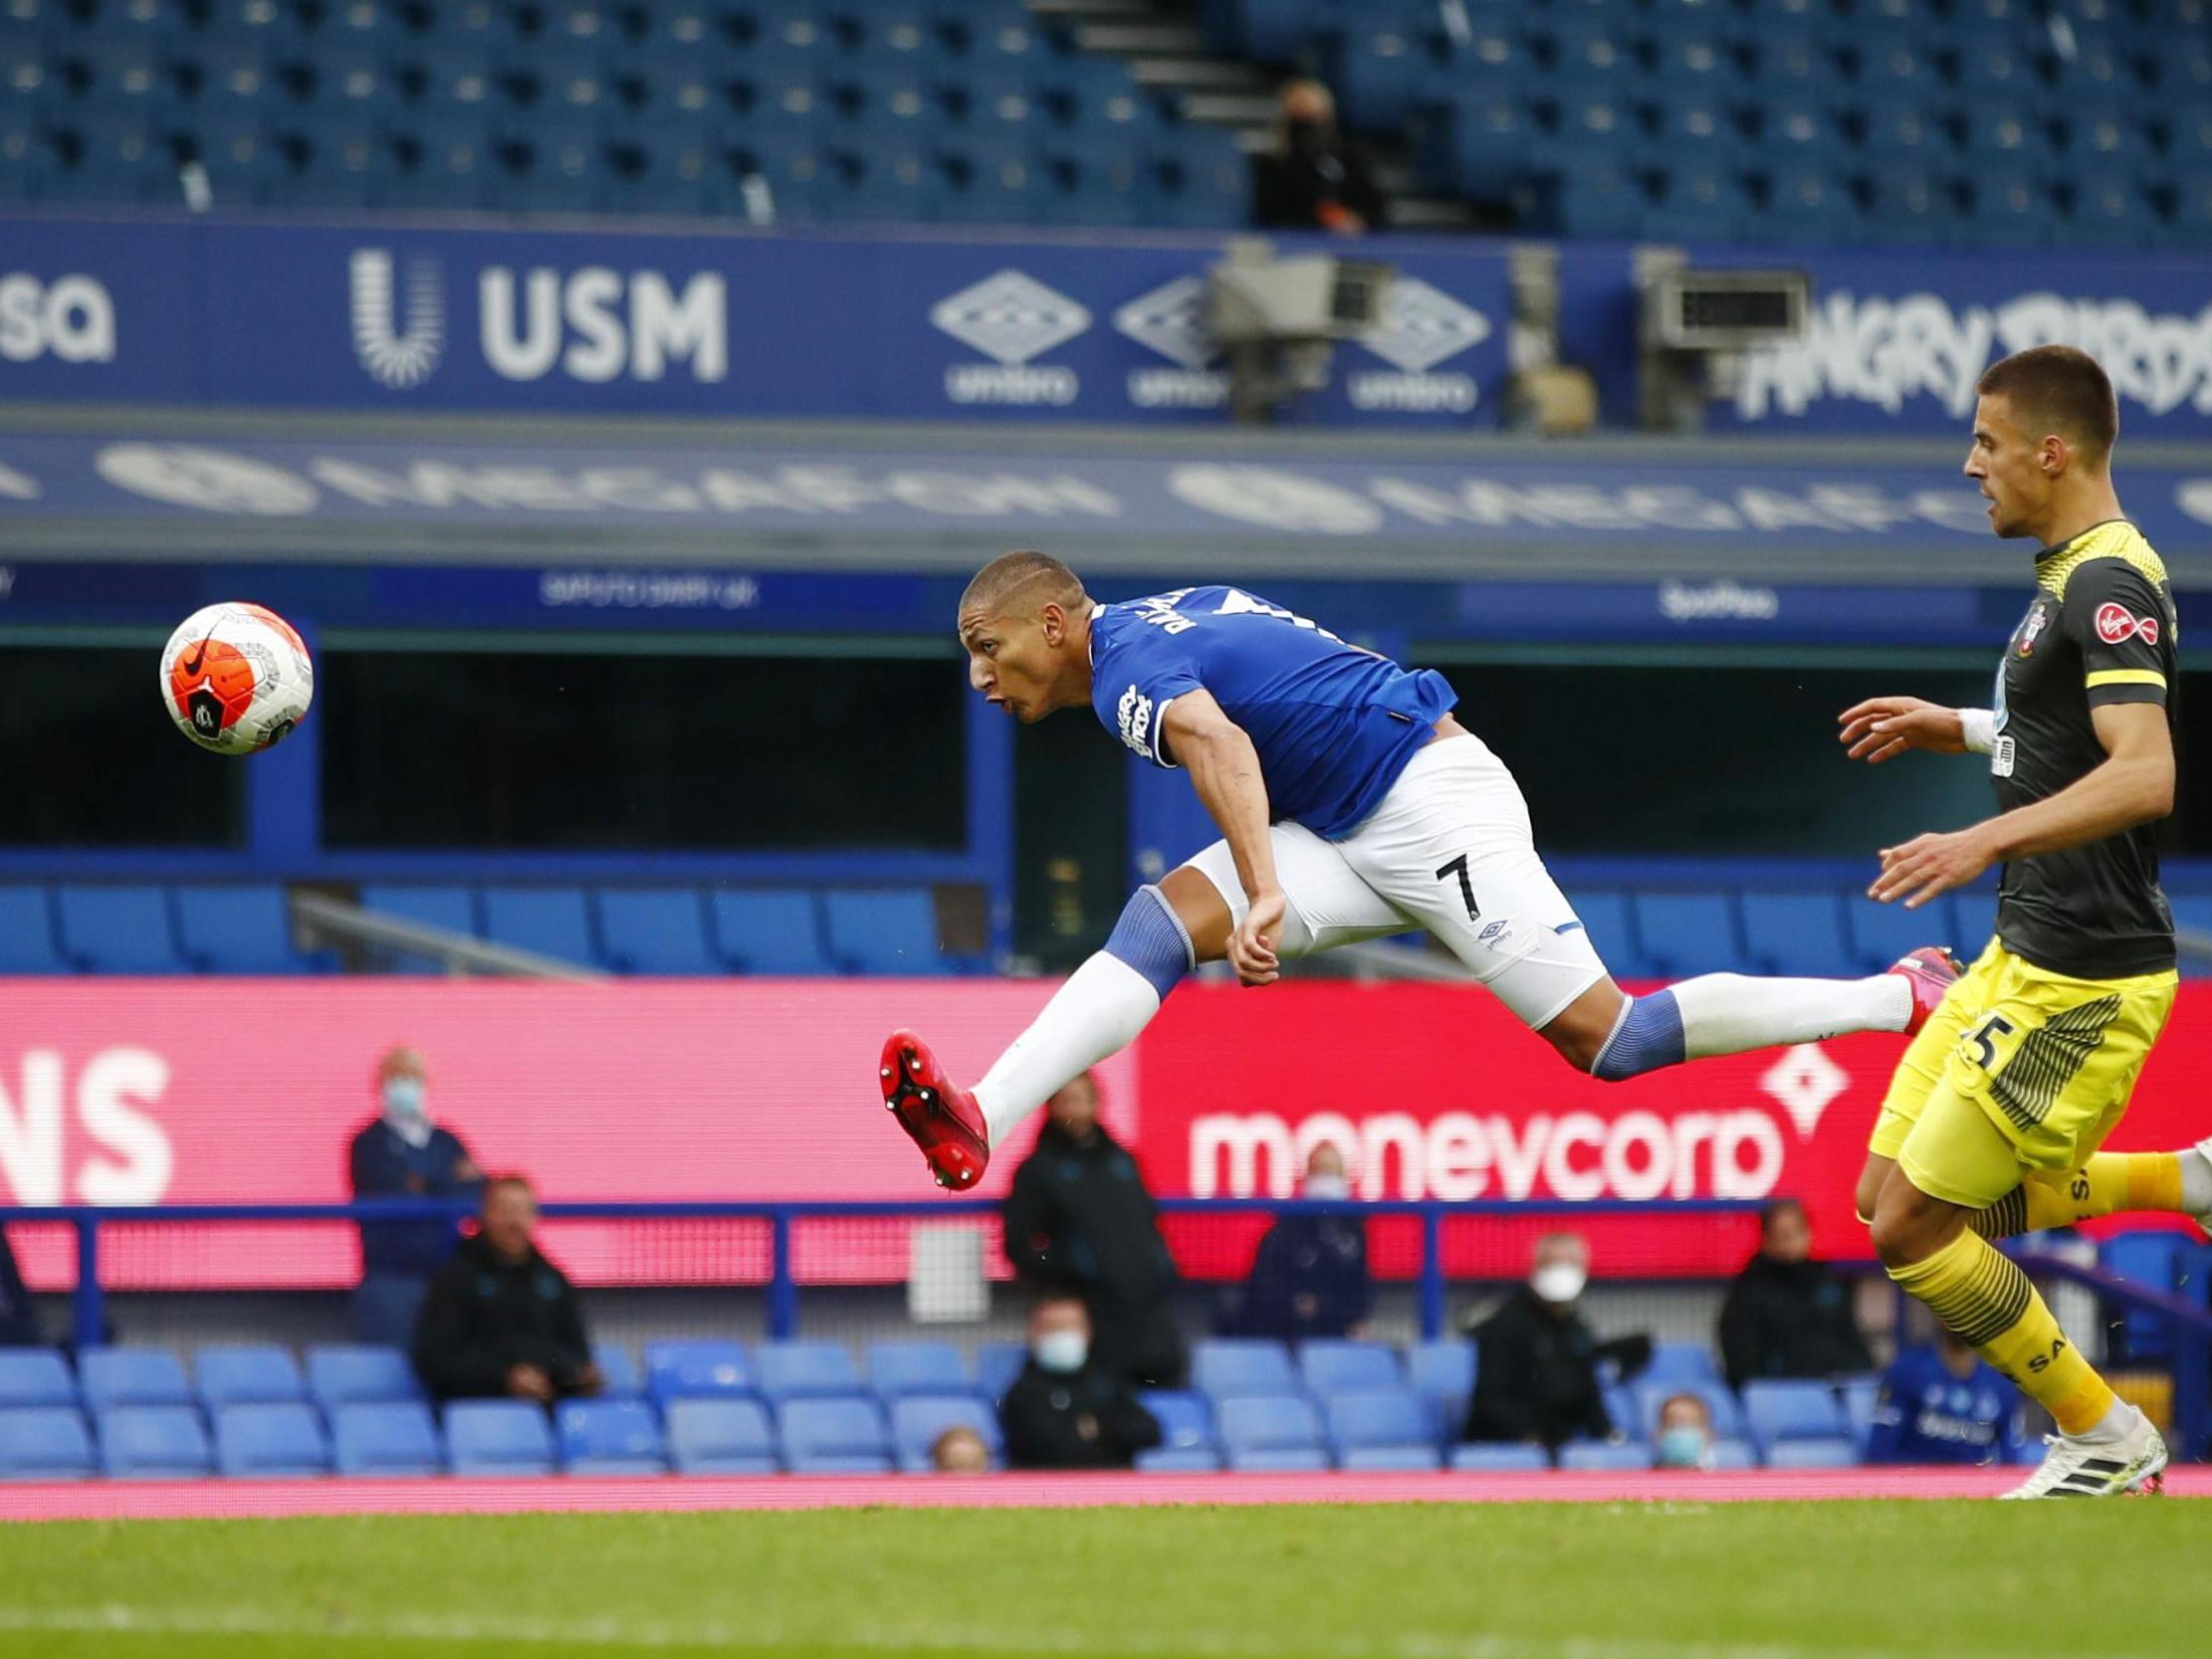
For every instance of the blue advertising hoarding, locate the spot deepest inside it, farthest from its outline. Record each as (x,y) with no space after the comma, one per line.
(392,316)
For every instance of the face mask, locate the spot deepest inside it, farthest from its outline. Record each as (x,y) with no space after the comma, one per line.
(1328,1187)
(1681,1448)
(403,1099)
(1558,1282)
(1061,1351)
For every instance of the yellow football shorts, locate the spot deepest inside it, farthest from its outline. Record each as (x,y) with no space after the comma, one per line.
(2046,1060)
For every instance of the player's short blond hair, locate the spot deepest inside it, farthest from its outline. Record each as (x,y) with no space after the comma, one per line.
(1028,577)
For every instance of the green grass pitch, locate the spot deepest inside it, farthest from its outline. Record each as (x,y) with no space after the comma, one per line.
(2117,1580)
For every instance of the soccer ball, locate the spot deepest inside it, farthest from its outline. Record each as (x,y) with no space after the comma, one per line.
(236,678)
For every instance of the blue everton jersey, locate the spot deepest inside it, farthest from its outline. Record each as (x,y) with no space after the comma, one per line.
(1334,724)
(1927,1416)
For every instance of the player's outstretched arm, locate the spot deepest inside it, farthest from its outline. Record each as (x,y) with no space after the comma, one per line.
(1224,770)
(2132,785)
(1883,727)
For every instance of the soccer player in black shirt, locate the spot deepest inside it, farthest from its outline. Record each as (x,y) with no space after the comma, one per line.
(1994,1121)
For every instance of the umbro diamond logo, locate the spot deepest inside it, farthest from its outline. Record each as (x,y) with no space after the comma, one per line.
(1422,325)
(1010,317)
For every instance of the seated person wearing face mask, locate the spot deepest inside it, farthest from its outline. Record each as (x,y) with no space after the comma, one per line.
(1940,1403)
(401,1154)
(1536,1375)
(1685,1434)
(1063,1412)
(1309,1277)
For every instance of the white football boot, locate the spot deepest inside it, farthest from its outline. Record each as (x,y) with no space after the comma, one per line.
(2079,1468)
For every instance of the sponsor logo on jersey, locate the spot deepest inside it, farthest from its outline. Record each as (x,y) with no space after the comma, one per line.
(2116,623)
(1010,317)
(1134,714)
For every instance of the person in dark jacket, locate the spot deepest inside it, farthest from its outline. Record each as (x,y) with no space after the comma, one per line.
(1312,179)
(1536,1370)
(1787,1314)
(1063,1411)
(500,1319)
(1309,1277)
(403,1153)
(19,1321)
(1079,1220)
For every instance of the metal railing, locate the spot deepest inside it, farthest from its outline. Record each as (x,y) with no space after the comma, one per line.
(2189,1322)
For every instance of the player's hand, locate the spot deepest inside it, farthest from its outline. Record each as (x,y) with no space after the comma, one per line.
(1884,727)
(1930,864)
(528,1383)
(1251,947)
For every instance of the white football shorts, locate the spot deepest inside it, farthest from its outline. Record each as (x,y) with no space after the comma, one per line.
(1449,849)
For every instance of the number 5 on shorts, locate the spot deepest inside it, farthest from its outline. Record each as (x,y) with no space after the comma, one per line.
(1984,1039)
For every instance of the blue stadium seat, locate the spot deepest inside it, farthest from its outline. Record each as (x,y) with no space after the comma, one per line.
(917,1367)
(697,1368)
(1834,1451)
(2009,208)
(659,931)
(497,1437)
(271,1442)
(805,1370)
(610,1438)
(550,921)
(1179,1460)
(122,70)
(1381,1428)
(997,1366)
(452,909)
(769,930)
(154,1443)
(387,1438)
(1605,914)
(1689,932)
(113,1376)
(44,1443)
(257,1374)
(1376,72)
(1330,1366)
(1998,133)
(237,929)
(1911,207)
(27,932)
(1484,143)
(343,1376)
(1199,179)
(1975,908)
(1729,1453)
(2109,209)
(722,1437)
(1880,935)
(1896,130)
(1680,1362)
(891,930)
(619,1368)
(1223,1368)
(34,1376)
(1489,1458)
(1270,1432)
(1619,1406)
(1703,202)
(1798,934)
(2152,1259)
(918,1420)
(834,1436)
(1442,1372)
(117,930)
(1791,1410)
(1606,1455)
(1727,1415)
(1186,1421)
(1858,1397)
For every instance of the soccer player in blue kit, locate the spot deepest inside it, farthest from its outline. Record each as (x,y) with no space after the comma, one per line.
(1351,805)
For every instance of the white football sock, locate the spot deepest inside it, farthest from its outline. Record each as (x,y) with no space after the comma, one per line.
(2117,1423)
(1727,1013)
(2196,1178)
(1098,1012)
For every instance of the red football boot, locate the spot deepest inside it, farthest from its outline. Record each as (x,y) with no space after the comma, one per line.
(943,1118)
(1930,972)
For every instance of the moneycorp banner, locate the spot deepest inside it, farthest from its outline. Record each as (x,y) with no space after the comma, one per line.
(235,1091)
(391,317)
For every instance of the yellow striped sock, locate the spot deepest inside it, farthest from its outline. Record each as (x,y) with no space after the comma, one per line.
(2109,1183)
(1985,1298)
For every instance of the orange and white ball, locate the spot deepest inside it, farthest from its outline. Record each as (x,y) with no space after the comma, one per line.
(236,678)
